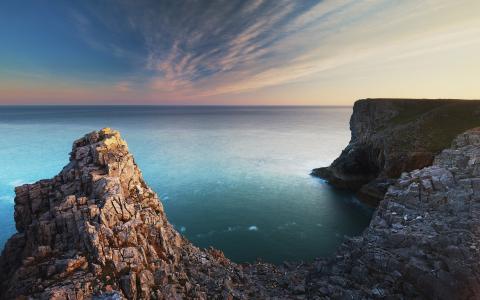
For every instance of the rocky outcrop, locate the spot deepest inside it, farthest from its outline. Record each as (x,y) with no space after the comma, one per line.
(391,136)
(423,241)
(97,231)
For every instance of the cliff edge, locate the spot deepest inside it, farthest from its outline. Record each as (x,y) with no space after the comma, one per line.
(391,136)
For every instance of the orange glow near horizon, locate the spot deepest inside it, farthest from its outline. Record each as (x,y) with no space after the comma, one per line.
(325,53)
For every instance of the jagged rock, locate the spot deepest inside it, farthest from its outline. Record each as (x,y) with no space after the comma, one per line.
(88,219)
(391,136)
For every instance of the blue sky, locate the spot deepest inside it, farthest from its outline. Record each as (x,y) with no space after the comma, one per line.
(236,51)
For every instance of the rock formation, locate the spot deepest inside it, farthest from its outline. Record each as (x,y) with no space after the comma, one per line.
(97,231)
(391,136)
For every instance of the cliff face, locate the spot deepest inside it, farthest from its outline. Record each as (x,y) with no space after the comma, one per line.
(97,231)
(391,136)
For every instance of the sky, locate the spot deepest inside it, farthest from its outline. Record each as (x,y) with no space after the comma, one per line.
(237,52)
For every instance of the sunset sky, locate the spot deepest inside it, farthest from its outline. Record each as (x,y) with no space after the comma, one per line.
(237,52)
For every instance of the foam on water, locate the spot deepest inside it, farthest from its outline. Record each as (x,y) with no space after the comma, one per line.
(6,198)
(16,182)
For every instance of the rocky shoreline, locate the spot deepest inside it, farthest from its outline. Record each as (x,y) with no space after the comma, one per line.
(97,231)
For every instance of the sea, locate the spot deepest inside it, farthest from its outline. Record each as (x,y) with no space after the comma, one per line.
(232,177)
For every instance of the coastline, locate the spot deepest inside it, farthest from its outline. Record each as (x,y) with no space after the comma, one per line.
(84,233)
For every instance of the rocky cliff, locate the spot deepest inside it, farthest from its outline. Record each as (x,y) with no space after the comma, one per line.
(423,241)
(97,231)
(391,136)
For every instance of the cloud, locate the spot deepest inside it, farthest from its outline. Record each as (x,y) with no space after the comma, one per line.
(350,34)
(206,45)
(197,50)
(188,42)
(123,86)
(283,42)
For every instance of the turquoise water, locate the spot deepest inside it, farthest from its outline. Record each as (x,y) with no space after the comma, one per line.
(235,178)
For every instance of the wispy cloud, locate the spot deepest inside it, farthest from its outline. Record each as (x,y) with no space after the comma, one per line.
(123,86)
(193,49)
(233,47)
(189,42)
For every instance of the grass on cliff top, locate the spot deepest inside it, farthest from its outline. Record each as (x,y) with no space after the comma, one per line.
(448,122)
(409,112)
(436,123)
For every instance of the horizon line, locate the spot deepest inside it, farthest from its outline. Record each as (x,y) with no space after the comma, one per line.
(218,105)
(176,105)
(231,105)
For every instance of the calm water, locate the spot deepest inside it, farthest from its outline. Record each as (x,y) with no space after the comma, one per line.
(232,177)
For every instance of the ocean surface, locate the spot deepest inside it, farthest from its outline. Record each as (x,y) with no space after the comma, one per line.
(236,178)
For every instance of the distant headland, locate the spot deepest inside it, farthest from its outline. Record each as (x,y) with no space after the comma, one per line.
(391,136)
